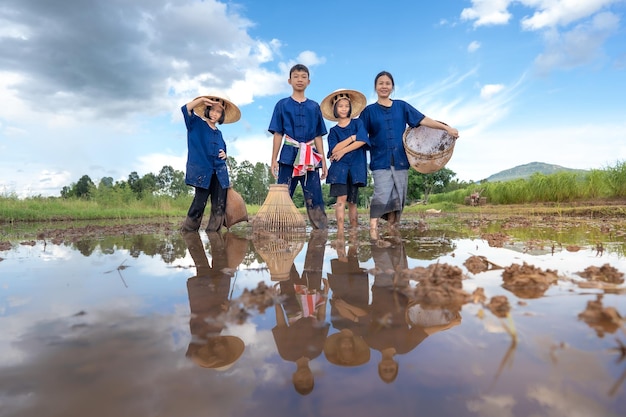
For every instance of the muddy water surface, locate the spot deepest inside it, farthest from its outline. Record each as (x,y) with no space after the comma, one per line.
(446,318)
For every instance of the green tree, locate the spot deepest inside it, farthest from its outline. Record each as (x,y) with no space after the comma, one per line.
(171,182)
(105,182)
(426,184)
(84,187)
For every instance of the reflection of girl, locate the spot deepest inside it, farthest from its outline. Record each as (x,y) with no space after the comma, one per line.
(208,294)
(385,122)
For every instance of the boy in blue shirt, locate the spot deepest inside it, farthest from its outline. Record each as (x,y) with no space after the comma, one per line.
(298,127)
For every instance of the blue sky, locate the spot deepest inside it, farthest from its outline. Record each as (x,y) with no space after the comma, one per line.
(92,87)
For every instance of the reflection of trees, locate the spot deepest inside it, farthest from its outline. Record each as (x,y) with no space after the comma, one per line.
(169,248)
(86,246)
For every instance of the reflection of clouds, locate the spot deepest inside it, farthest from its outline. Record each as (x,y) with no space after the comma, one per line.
(56,253)
(17,301)
(108,366)
(563,401)
(492,406)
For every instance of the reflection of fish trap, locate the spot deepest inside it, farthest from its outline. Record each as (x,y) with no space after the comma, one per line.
(278,213)
(428,150)
(278,253)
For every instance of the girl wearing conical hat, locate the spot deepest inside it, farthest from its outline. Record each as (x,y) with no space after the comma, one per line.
(347,142)
(206,158)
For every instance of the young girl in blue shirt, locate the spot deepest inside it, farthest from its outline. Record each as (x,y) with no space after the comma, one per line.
(346,152)
(206,159)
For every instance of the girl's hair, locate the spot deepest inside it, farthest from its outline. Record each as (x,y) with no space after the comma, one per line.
(388,74)
(335,108)
(222,117)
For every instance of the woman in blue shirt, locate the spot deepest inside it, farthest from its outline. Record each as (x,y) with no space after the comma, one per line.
(206,159)
(348,168)
(385,122)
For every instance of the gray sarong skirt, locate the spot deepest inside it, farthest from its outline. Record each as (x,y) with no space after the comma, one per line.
(390,187)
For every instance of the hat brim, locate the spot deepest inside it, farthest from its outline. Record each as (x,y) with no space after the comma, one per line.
(206,359)
(232,112)
(357,100)
(361,354)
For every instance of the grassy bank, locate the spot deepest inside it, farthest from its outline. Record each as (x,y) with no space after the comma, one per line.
(58,209)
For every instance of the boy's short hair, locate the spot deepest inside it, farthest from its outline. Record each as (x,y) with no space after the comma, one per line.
(298,67)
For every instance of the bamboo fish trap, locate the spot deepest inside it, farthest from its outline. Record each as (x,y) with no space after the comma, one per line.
(278,213)
(278,252)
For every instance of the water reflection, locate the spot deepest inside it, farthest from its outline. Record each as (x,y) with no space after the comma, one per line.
(345,330)
(397,322)
(301,326)
(209,300)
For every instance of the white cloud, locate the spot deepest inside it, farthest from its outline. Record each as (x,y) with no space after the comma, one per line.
(579,46)
(487,12)
(552,13)
(489,90)
(473,46)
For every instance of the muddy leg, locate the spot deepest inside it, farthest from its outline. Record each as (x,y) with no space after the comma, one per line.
(391,218)
(340,210)
(318,218)
(191,225)
(374,229)
(353,215)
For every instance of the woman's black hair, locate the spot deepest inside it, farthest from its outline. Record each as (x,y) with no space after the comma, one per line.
(335,109)
(222,117)
(388,74)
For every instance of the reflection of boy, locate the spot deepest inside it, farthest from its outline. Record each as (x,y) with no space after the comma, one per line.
(301,328)
(297,125)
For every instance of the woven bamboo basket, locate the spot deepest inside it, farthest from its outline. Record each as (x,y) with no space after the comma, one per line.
(278,252)
(278,213)
(428,150)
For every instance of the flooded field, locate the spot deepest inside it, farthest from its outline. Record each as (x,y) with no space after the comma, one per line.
(501,317)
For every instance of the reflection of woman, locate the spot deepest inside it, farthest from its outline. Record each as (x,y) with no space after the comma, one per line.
(388,331)
(301,328)
(398,323)
(208,293)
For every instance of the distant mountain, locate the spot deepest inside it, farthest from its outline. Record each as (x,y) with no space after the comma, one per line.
(525,171)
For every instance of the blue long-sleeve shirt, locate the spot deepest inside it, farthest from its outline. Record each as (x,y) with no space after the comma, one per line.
(300,121)
(386,126)
(203,146)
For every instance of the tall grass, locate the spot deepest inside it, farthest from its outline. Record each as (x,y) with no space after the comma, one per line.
(560,187)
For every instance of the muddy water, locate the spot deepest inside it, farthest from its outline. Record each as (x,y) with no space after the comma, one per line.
(167,324)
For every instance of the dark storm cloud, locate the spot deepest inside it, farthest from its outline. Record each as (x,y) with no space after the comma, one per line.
(116,55)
